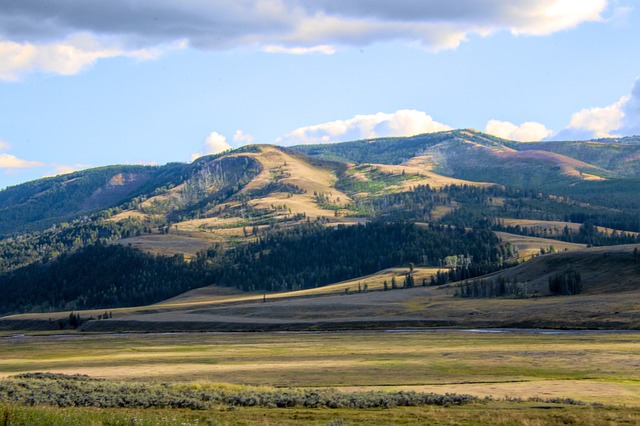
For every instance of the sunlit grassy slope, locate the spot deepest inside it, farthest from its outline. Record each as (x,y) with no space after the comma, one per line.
(288,185)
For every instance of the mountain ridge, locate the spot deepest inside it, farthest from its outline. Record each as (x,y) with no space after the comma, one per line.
(213,216)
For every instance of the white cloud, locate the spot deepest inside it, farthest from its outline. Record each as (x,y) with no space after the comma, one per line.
(213,144)
(242,138)
(66,57)
(4,145)
(526,132)
(62,169)
(599,121)
(8,161)
(622,118)
(41,35)
(557,15)
(399,123)
(324,49)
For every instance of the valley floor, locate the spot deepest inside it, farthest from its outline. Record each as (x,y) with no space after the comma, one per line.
(592,367)
(602,368)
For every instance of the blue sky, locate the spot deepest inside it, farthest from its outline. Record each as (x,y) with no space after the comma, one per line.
(90,83)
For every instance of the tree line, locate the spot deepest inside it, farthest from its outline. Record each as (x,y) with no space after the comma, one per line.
(308,256)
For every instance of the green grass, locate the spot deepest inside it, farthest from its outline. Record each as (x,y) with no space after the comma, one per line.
(593,368)
(373,181)
(365,360)
(477,414)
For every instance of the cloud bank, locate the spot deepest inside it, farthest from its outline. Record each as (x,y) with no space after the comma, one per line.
(8,161)
(66,57)
(622,118)
(399,123)
(526,132)
(66,36)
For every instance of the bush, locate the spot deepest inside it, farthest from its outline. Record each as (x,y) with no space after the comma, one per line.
(83,391)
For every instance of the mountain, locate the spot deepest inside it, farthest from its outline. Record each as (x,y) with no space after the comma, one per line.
(251,218)
(38,204)
(472,155)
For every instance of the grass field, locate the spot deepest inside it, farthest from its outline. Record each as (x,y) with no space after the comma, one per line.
(593,368)
(590,367)
(530,246)
(533,414)
(476,414)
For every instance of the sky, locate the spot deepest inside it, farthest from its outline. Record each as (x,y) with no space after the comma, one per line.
(87,83)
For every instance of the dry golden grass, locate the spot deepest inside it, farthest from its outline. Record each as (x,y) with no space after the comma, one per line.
(175,242)
(420,170)
(441,211)
(297,172)
(190,236)
(618,393)
(206,294)
(568,166)
(530,246)
(128,214)
(554,227)
(373,282)
(208,224)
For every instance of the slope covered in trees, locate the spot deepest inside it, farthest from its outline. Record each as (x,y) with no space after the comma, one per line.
(39,204)
(256,203)
(98,276)
(312,256)
(466,154)
(107,276)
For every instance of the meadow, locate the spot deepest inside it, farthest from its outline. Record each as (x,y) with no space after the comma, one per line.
(601,370)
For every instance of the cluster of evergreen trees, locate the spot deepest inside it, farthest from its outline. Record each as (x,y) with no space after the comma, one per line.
(311,256)
(588,233)
(500,287)
(24,249)
(37,205)
(308,256)
(98,276)
(566,283)
(414,205)
(562,283)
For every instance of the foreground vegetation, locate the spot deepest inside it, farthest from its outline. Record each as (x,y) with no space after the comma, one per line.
(589,367)
(436,377)
(45,398)
(83,391)
(490,413)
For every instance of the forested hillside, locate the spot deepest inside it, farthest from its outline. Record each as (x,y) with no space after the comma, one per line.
(309,256)
(468,154)
(269,219)
(39,204)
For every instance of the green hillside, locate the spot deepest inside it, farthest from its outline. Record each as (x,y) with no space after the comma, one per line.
(468,154)
(266,218)
(38,204)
